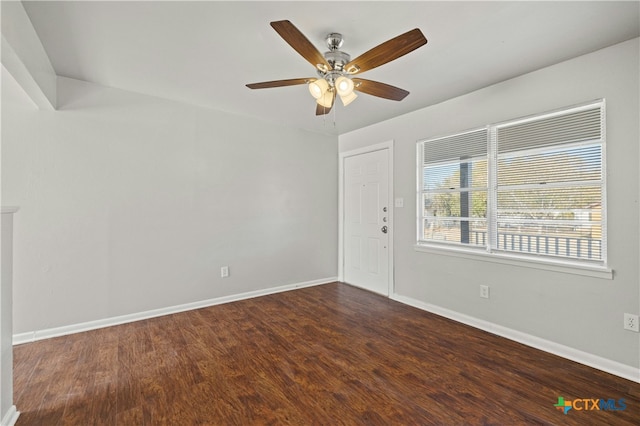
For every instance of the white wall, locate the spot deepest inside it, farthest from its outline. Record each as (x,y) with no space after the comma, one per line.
(579,312)
(130,203)
(24,56)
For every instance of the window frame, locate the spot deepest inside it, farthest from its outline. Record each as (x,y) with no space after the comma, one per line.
(490,251)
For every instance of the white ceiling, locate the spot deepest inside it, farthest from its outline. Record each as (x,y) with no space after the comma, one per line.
(204,52)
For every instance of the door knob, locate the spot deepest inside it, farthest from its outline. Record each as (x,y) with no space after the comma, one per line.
(384,229)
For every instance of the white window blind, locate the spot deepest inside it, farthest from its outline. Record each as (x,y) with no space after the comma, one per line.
(533,187)
(570,127)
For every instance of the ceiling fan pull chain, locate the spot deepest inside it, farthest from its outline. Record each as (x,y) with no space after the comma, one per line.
(334,115)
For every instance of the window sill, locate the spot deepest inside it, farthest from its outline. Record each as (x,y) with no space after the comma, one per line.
(567,267)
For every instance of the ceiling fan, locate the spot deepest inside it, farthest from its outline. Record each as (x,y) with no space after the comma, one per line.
(336,70)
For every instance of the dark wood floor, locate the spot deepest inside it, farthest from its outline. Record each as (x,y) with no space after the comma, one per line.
(326,355)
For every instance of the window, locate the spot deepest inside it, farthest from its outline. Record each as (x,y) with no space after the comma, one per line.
(531,186)
(454,188)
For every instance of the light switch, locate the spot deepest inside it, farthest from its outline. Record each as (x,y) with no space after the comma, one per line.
(399,202)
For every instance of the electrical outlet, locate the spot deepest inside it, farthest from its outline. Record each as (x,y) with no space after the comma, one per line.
(484,291)
(631,322)
(224,271)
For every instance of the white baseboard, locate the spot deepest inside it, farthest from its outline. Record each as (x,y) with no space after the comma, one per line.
(613,367)
(11,416)
(33,336)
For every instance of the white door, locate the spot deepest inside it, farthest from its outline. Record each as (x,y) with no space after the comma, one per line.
(366,221)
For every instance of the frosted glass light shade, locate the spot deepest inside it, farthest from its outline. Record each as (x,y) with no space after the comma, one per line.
(326,100)
(347,99)
(344,86)
(318,88)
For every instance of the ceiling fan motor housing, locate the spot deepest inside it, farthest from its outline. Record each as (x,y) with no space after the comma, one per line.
(337,59)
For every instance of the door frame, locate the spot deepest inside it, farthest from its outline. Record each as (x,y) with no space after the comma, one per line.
(388,146)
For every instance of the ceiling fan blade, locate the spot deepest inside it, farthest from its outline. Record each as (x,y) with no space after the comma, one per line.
(300,43)
(279,83)
(321,110)
(380,90)
(387,51)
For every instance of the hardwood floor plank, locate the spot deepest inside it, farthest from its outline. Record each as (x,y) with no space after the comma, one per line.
(330,354)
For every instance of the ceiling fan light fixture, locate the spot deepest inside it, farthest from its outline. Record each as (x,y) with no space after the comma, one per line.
(318,88)
(326,100)
(347,99)
(344,86)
